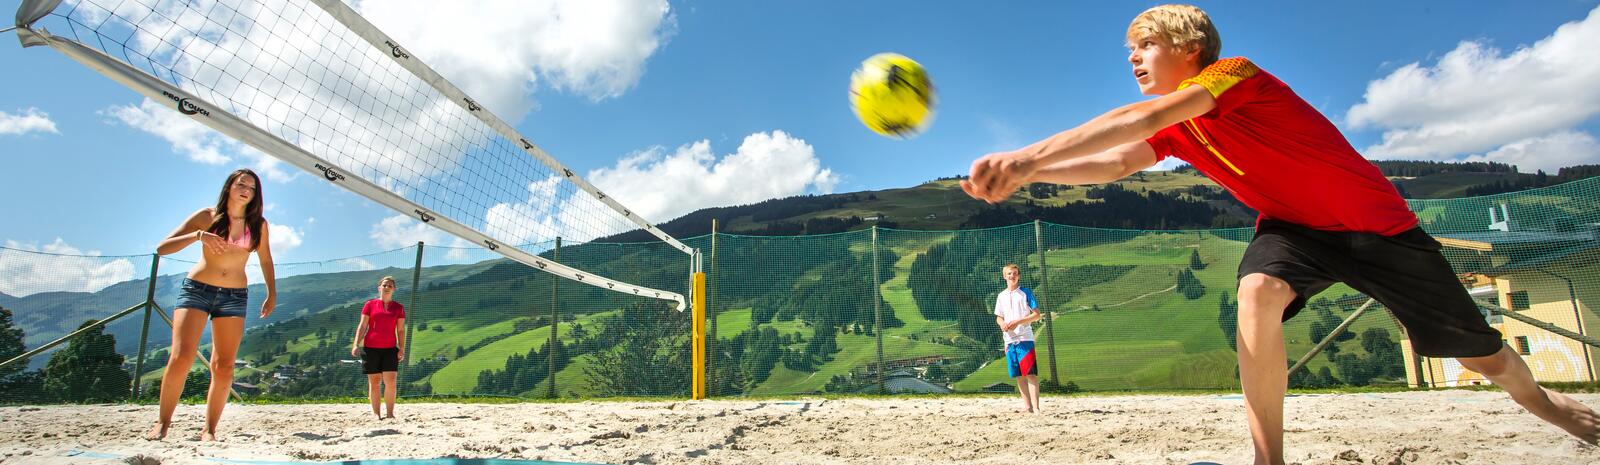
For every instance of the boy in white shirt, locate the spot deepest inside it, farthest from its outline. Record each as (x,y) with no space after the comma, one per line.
(1015,310)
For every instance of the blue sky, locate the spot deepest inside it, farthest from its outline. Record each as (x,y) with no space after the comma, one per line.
(752,94)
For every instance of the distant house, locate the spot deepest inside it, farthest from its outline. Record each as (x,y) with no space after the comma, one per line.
(891,365)
(246,389)
(1535,273)
(285,372)
(905,381)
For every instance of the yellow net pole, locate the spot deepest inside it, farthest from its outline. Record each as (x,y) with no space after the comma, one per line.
(698,389)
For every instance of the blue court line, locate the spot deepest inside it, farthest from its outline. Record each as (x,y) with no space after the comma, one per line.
(92,455)
(438,461)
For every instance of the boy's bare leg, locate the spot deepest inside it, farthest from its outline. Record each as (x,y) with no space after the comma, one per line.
(1507,370)
(1028,400)
(1033,386)
(1262,363)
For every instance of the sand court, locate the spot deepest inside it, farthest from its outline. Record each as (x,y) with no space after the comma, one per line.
(1440,427)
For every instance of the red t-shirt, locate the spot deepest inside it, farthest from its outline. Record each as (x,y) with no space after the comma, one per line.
(1278,155)
(381,320)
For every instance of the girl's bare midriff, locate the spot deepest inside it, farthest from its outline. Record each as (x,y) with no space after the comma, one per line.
(224,269)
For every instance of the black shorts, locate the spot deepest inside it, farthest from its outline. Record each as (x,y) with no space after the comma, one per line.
(1404,272)
(374,361)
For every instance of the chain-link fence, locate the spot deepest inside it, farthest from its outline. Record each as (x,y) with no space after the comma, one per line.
(867,311)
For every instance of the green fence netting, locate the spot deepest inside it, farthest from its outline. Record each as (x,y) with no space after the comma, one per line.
(867,311)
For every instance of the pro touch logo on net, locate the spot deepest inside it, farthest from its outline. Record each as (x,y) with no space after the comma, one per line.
(184,106)
(329,174)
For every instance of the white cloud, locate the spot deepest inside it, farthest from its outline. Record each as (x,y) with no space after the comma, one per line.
(26,121)
(1478,99)
(358,263)
(402,231)
(1169,164)
(284,237)
(538,218)
(1549,153)
(458,250)
(67,269)
(194,140)
(662,186)
(596,48)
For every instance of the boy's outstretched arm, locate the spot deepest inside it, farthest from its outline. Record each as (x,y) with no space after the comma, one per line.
(995,176)
(1100,168)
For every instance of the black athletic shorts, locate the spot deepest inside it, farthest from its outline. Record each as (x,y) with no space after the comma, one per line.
(374,361)
(1404,272)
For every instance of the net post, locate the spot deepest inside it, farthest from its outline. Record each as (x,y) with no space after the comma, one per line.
(144,329)
(698,383)
(416,283)
(877,311)
(711,312)
(1044,281)
(555,322)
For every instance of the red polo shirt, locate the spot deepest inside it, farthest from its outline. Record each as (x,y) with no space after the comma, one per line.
(381,320)
(1279,156)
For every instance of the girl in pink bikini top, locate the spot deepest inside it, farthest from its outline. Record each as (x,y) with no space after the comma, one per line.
(242,240)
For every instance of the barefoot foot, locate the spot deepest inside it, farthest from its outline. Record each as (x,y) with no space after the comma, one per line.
(157,432)
(1577,419)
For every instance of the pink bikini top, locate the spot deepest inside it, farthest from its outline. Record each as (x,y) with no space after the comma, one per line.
(242,240)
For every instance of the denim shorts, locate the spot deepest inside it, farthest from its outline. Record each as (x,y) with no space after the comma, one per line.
(219,302)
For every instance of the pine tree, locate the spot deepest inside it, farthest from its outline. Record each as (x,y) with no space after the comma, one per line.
(1190,286)
(88,370)
(11,345)
(1228,320)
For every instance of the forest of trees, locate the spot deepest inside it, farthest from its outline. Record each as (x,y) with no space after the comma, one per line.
(1536,180)
(1417,168)
(87,370)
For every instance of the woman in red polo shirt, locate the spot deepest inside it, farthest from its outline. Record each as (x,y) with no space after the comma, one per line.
(380,342)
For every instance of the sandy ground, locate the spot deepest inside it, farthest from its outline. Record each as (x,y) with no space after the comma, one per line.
(1446,427)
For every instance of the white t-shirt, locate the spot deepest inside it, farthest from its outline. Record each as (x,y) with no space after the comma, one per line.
(1012,306)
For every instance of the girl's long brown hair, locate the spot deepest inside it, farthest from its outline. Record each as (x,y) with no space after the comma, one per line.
(252,211)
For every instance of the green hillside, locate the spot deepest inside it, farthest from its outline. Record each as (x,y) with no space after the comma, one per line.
(1121,319)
